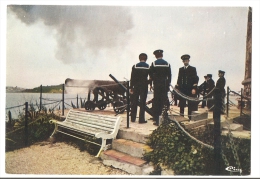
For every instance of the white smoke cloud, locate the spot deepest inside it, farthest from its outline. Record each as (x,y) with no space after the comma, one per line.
(80,30)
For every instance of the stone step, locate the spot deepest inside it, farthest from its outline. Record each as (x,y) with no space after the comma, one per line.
(136,132)
(195,115)
(125,162)
(132,148)
(234,127)
(199,128)
(223,122)
(193,124)
(238,134)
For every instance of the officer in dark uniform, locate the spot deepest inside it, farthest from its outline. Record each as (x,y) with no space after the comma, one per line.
(187,83)
(202,89)
(221,82)
(139,88)
(160,74)
(210,86)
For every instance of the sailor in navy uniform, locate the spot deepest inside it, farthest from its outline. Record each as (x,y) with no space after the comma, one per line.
(160,74)
(187,83)
(139,88)
(221,82)
(210,86)
(202,90)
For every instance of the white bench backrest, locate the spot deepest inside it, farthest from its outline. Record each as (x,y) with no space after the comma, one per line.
(100,123)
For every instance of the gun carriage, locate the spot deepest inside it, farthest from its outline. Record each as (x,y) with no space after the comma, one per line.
(103,92)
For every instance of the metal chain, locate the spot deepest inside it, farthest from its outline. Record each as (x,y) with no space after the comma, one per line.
(177,112)
(233,146)
(175,90)
(196,140)
(14,107)
(21,127)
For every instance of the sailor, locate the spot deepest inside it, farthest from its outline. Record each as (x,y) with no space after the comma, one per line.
(187,83)
(221,82)
(160,74)
(202,89)
(139,88)
(210,86)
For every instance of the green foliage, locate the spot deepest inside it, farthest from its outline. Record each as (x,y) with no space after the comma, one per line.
(242,146)
(174,149)
(46,89)
(39,129)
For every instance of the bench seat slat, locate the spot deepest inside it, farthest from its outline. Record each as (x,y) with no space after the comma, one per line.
(80,129)
(92,125)
(78,124)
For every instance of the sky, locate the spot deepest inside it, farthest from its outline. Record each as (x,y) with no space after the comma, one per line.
(87,40)
(47,44)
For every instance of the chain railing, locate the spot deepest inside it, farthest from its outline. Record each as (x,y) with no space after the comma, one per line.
(216,148)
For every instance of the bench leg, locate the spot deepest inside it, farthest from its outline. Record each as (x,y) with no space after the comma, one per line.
(102,147)
(55,129)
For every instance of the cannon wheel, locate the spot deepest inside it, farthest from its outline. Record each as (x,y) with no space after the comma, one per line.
(118,107)
(90,105)
(102,106)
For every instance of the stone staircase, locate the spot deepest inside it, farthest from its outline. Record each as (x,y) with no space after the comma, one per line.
(127,151)
(200,120)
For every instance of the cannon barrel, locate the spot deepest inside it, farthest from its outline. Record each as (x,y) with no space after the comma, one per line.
(146,108)
(122,86)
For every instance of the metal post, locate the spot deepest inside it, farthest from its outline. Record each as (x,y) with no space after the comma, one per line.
(227,100)
(9,118)
(77,101)
(89,91)
(63,99)
(26,125)
(217,131)
(41,98)
(241,101)
(128,105)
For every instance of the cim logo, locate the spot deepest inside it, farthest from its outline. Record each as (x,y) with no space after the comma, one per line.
(233,169)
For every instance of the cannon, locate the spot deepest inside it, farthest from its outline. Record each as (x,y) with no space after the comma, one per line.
(105,92)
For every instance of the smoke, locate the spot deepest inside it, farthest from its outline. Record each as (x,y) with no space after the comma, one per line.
(80,30)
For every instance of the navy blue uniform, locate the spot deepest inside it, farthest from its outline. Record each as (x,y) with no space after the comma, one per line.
(203,88)
(139,84)
(187,80)
(210,86)
(160,73)
(221,86)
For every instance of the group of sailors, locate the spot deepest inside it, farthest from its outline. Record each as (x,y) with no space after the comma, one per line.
(159,73)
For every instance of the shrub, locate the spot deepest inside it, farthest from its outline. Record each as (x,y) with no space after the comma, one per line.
(39,129)
(176,150)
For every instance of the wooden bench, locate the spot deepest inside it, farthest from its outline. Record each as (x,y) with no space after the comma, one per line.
(80,124)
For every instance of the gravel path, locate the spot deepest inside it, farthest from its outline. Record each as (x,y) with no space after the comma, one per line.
(58,158)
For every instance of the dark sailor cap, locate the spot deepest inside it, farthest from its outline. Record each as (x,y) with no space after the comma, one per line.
(209,75)
(220,71)
(157,52)
(185,57)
